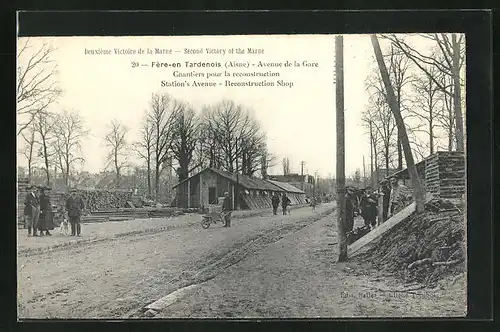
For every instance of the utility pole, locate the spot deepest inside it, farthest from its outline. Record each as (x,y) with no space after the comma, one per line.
(339,103)
(302,163)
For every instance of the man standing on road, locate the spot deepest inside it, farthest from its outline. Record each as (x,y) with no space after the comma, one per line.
(275,200)
(285,201)
(226,210)
(74,206)
(369,208)
(46,222)
(31,210)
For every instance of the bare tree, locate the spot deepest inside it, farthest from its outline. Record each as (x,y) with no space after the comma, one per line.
(451,61)
(267,160)
(145,147)
(28,150)
(116,142)
(69,132)
(383,126)
(236,141)
(400,78)
(163,111)
(418,189)
(286,166)
(185,137)
(36,81)
(427,104)
(45,123)
(446,117)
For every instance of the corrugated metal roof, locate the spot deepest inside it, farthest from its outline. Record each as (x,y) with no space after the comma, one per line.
(243,180)
(246,181)
(286,187)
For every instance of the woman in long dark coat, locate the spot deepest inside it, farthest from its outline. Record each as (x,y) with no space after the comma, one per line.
(46,222)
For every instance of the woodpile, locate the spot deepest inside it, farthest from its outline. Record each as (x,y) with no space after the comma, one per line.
(95,200)
(445,174)
(22,184)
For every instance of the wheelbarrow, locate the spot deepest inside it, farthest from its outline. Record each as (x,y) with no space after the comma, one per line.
(213,218)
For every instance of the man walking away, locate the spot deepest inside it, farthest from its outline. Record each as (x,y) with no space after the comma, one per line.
(74,206)
(275,200)
(226,210)
(285,201)
(369,208)
(46,221)
(31,210)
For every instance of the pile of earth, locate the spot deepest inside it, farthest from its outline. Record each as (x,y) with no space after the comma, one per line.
(424,248)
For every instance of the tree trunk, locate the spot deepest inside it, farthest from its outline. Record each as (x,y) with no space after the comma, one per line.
(386,155)
(46,159)
(400,149)
(149,176)
(371,157)
(400,154)
(339,89)
(431,132)
(157,181)
(457,98)
(418,192)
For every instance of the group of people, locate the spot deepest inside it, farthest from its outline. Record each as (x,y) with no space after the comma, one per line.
(39,215)
(275,200)
(285,203)
(394,197)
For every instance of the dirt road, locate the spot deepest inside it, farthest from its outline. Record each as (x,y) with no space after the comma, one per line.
(116,278)
(298,277)
(268,267)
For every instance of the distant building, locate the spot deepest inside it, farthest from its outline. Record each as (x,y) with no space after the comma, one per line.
(205,187)
(303,182)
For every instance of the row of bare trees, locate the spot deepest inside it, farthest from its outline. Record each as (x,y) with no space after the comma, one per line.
(428,90)
(54,141)
(224,135)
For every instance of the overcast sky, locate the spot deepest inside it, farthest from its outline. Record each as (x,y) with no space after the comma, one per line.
(299,121)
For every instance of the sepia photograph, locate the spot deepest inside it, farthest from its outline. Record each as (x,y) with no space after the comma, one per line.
(241,176)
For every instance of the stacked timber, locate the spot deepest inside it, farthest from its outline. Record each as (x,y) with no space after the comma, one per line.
(96,200)
(451,174)
(22,191)
(432,174)
(445,175)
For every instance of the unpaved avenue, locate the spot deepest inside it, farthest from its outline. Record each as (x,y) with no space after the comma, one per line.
(117,278)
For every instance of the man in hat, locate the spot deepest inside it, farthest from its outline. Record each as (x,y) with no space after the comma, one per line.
(385,190)
(74,206)
(275,201)
(369,208)
(285,202)
(31,210)
(226,210)
(46,222)
(398,195)
(350,199)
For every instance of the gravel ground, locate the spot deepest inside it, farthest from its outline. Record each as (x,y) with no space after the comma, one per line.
(264,266)
(298,277)
(117,275)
